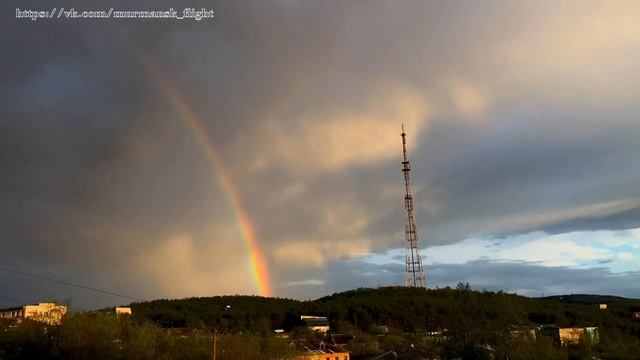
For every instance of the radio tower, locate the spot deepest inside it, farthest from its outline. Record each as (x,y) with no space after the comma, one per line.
(414,272)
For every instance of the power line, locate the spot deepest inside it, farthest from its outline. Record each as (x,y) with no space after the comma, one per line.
(13,299)
(70,284)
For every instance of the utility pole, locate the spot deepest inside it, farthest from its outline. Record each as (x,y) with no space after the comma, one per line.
(413,264)
(215,340)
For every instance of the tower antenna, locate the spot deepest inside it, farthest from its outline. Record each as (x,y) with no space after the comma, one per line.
(414,271)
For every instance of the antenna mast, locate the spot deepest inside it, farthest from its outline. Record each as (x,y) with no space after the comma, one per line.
(414,271)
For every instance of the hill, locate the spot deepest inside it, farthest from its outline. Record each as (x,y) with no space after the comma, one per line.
(589,299)
(401,307)
(469,318)
(404,323)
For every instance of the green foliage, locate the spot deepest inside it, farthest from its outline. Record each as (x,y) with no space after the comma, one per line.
(364,344)
(443,323)
(472,320)
(251,347)
(101,335)
(84,336)
(29,340)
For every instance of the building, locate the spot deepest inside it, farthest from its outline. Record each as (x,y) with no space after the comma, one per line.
(316,323)
(603,306)
(636,315)
(314,350)
(317,354)
(123,310)
(572,336)
(48,313)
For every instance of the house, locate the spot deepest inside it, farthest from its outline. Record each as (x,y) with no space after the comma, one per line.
(318,354)
(636,315)
(123,310)
(48,313)
(319,350)
(603,306)
(572,336)
(316,323)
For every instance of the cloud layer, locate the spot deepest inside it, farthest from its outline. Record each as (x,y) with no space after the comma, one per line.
(522,117)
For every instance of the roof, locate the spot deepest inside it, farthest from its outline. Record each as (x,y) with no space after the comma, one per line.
(321,351)
(12,308)
(25,305)
(315,320)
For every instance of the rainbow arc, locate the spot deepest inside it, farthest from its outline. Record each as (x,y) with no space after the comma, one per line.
(256,260)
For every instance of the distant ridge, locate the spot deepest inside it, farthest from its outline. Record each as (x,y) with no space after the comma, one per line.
(587,299)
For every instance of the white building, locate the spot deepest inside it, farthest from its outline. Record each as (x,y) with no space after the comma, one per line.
(123,310)
(316,323)
(49,313)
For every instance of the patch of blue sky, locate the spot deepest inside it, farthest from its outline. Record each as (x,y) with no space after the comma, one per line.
(618,251)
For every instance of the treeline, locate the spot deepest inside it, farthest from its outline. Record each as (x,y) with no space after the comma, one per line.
(413,323)
(104,336)
(472,319)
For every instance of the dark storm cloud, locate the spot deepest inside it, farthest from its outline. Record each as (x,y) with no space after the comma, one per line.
(525,170)
(80,198)
(98,172)
(622,220)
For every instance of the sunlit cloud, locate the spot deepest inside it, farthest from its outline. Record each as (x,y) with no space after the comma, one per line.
(576,51)
(334,139)
(468,100)
(180,266)
(316,253)
(313,282)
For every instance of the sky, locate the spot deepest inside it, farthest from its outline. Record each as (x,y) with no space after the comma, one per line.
(258,152)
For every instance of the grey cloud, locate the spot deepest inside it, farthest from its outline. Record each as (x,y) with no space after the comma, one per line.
(533,280)
(524,278)
(622,220)
(97,169)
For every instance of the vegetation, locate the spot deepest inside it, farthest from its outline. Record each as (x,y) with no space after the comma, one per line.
(476,323)
(412,323)
(101,335)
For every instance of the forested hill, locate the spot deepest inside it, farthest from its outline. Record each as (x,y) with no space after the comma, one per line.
(469,318)
(590,299)
(403,308)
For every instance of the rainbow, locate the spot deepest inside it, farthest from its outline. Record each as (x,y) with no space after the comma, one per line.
(256,261)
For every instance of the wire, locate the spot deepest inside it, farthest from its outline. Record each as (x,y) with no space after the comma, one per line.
(70,284)
(13,299)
